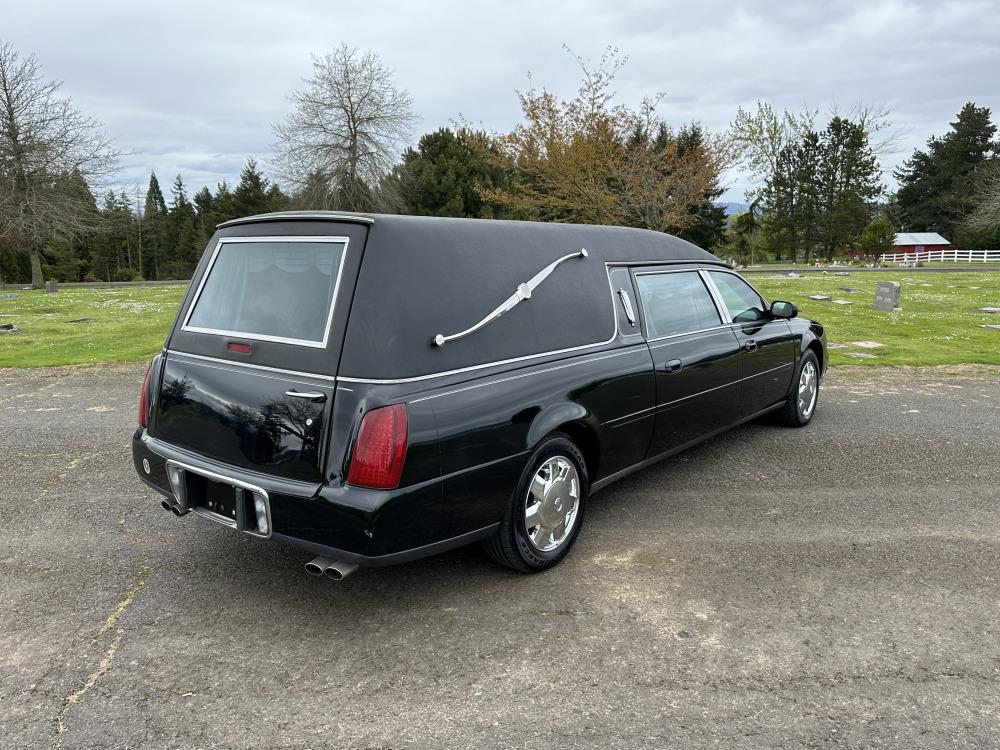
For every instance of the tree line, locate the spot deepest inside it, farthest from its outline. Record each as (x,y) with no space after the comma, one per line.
(818,188)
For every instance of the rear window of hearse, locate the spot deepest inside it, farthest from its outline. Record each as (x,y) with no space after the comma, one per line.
(273,290)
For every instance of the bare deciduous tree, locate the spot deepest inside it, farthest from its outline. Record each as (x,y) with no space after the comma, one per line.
(49,152)
(986,215)
(347,130)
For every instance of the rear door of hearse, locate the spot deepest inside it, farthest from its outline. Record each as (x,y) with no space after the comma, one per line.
(249,373)
(695,355)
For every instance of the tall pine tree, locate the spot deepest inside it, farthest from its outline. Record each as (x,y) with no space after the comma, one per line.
(154,229)
(936,185)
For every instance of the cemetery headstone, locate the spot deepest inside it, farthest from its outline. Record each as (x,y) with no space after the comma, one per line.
(887,296)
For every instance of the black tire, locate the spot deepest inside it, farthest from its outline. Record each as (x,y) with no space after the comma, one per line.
(512,546)
(795,414)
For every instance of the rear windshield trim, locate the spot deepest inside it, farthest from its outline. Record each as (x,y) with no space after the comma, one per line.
(339,240)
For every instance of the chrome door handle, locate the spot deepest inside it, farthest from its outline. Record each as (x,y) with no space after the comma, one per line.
(311,395)
(673,365)
(750,346)
(627,304)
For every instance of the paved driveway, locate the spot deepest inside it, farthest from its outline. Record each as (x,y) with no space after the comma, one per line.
(838,585)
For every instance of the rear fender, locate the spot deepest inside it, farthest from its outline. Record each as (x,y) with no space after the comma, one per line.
(552,418)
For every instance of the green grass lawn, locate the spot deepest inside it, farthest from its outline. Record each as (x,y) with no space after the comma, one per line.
(129,325)
(939,323)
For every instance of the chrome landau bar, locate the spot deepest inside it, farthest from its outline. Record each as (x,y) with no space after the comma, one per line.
(522,293)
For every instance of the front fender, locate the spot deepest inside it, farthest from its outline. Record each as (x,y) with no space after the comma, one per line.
(815,333)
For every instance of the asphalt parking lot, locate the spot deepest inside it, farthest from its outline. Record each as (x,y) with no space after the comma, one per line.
(832,586)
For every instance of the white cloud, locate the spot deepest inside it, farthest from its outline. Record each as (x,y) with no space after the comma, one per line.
(193,87)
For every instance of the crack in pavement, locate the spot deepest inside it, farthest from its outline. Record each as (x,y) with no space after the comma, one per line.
(109,654)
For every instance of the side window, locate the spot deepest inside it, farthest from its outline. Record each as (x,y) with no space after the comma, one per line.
(676,303)
(743,303)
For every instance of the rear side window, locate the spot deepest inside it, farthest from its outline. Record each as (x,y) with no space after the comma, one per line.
(676,303)
(271,290)
(743,303)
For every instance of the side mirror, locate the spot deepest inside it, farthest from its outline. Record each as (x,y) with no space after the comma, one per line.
(781,309)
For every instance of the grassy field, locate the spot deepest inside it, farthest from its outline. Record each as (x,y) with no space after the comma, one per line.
(128,325)
(939,324)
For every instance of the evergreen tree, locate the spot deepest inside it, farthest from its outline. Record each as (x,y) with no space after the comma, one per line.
(444,175)
(936,185)
(204,215)
(791,198)
(251,195)
(849,180)
(181,250)
(821,191)
(709,225)
(154,229)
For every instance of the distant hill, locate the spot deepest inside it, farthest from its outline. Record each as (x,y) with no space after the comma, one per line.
(735,208)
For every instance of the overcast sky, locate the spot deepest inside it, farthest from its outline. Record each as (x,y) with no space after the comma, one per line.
(193,87)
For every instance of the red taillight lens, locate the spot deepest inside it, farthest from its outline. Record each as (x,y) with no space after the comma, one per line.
(380,452)
(144,400)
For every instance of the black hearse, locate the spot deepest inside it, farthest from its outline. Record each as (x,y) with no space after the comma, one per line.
(374,389)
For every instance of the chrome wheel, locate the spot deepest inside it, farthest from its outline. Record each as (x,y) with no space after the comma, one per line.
(551,506)
(808,389)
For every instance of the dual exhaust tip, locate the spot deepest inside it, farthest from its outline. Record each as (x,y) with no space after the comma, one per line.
(338,570)
(174,508)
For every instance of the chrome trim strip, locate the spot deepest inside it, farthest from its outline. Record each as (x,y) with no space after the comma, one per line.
(632,415)
(720,303)
(522,293)
(345,241)
(177,353)
(765,372)
(707,331)
(292,215)
(661,407)
(222,478)
(528,374)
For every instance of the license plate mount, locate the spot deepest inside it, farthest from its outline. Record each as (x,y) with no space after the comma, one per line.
(225,500)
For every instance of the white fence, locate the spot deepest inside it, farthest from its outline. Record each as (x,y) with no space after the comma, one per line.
(965,256)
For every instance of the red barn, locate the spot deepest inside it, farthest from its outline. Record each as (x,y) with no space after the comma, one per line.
(921,242)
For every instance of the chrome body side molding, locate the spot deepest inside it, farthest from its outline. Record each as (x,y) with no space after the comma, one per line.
(523,292)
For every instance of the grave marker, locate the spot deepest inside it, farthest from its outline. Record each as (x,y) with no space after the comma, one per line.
(887,296)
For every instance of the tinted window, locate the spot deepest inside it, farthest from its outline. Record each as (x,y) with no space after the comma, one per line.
(270,290)
(676,303)
(743,303)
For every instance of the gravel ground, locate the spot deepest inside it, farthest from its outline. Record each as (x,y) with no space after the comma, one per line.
(832,586)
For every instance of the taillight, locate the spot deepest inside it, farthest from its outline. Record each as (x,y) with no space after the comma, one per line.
(144,399)
(380,452)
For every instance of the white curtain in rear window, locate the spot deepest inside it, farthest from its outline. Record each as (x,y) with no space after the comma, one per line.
(272,289)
